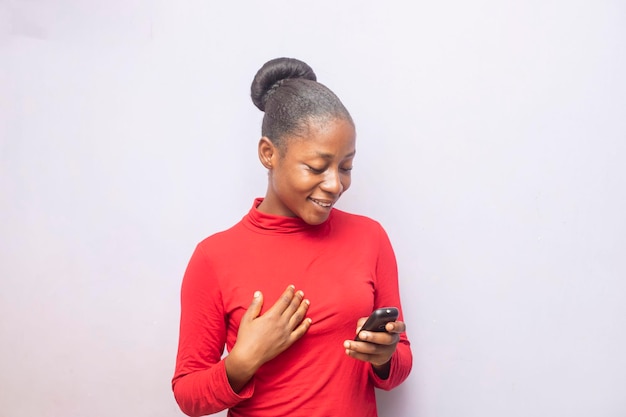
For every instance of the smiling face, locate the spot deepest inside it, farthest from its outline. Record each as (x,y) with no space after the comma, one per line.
(308,176)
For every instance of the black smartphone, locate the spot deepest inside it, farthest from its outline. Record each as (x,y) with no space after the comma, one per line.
(378,319)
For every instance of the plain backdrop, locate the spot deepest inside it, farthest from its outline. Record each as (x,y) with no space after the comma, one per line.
(491,146)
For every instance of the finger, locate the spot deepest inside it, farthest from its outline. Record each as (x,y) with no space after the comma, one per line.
(293,306)
(299,331)
(254,309)
(283,301)
(367,352)
(299,314)
(396,327)
(373,359)
(360,322)
(379,338)
(360,347)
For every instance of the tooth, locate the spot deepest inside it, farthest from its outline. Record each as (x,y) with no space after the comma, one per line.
(321,203)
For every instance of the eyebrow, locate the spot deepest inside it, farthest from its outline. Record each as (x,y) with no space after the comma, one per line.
(331,156)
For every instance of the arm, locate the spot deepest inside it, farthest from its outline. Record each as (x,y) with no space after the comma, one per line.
(200,381)
(204,383)
(389,352)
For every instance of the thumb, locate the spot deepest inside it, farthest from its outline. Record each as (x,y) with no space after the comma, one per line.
(254,309)
(360,324)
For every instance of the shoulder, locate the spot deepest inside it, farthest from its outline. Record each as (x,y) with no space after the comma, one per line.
(355,221)
(223,239)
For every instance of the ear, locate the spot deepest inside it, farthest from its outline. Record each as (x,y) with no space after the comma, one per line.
(267,152)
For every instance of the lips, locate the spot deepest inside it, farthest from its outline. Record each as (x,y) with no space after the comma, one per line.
(322,203)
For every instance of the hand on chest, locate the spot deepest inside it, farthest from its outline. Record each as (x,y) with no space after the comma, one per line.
(339,282)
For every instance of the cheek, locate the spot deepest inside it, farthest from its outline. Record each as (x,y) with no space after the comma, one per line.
(297,181)
(345,182)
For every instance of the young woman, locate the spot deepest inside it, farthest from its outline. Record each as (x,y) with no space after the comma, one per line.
(287,287)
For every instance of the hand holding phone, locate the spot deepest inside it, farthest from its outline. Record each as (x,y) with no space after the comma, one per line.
(379,318)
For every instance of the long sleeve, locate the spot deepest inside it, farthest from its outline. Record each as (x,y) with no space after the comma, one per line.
(345,266)
(200,383)
(387,294)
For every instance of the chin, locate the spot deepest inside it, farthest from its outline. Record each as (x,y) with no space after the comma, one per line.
(314,220)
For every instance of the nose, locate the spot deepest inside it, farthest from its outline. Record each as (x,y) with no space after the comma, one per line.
(332,182)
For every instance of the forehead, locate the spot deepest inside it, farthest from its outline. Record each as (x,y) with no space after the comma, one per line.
(327,139)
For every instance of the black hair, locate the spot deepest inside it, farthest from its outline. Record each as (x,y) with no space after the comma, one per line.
(286,89)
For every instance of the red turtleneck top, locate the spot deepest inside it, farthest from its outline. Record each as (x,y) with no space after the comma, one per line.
(346,268)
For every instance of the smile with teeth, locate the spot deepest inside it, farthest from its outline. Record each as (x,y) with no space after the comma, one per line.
(321,203)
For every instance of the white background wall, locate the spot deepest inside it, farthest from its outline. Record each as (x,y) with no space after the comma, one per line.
(491,145)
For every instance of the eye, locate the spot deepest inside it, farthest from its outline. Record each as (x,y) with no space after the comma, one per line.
(316,170)
(346,169)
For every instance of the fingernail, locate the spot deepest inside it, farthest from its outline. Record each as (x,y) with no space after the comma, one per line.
(363,335)
(257,294)
(293,287)
(307,302)
(346,344)
(301,293)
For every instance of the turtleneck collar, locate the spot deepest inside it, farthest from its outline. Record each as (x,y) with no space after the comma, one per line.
(273,224)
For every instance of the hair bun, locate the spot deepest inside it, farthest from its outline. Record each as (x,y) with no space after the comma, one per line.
(273,73)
